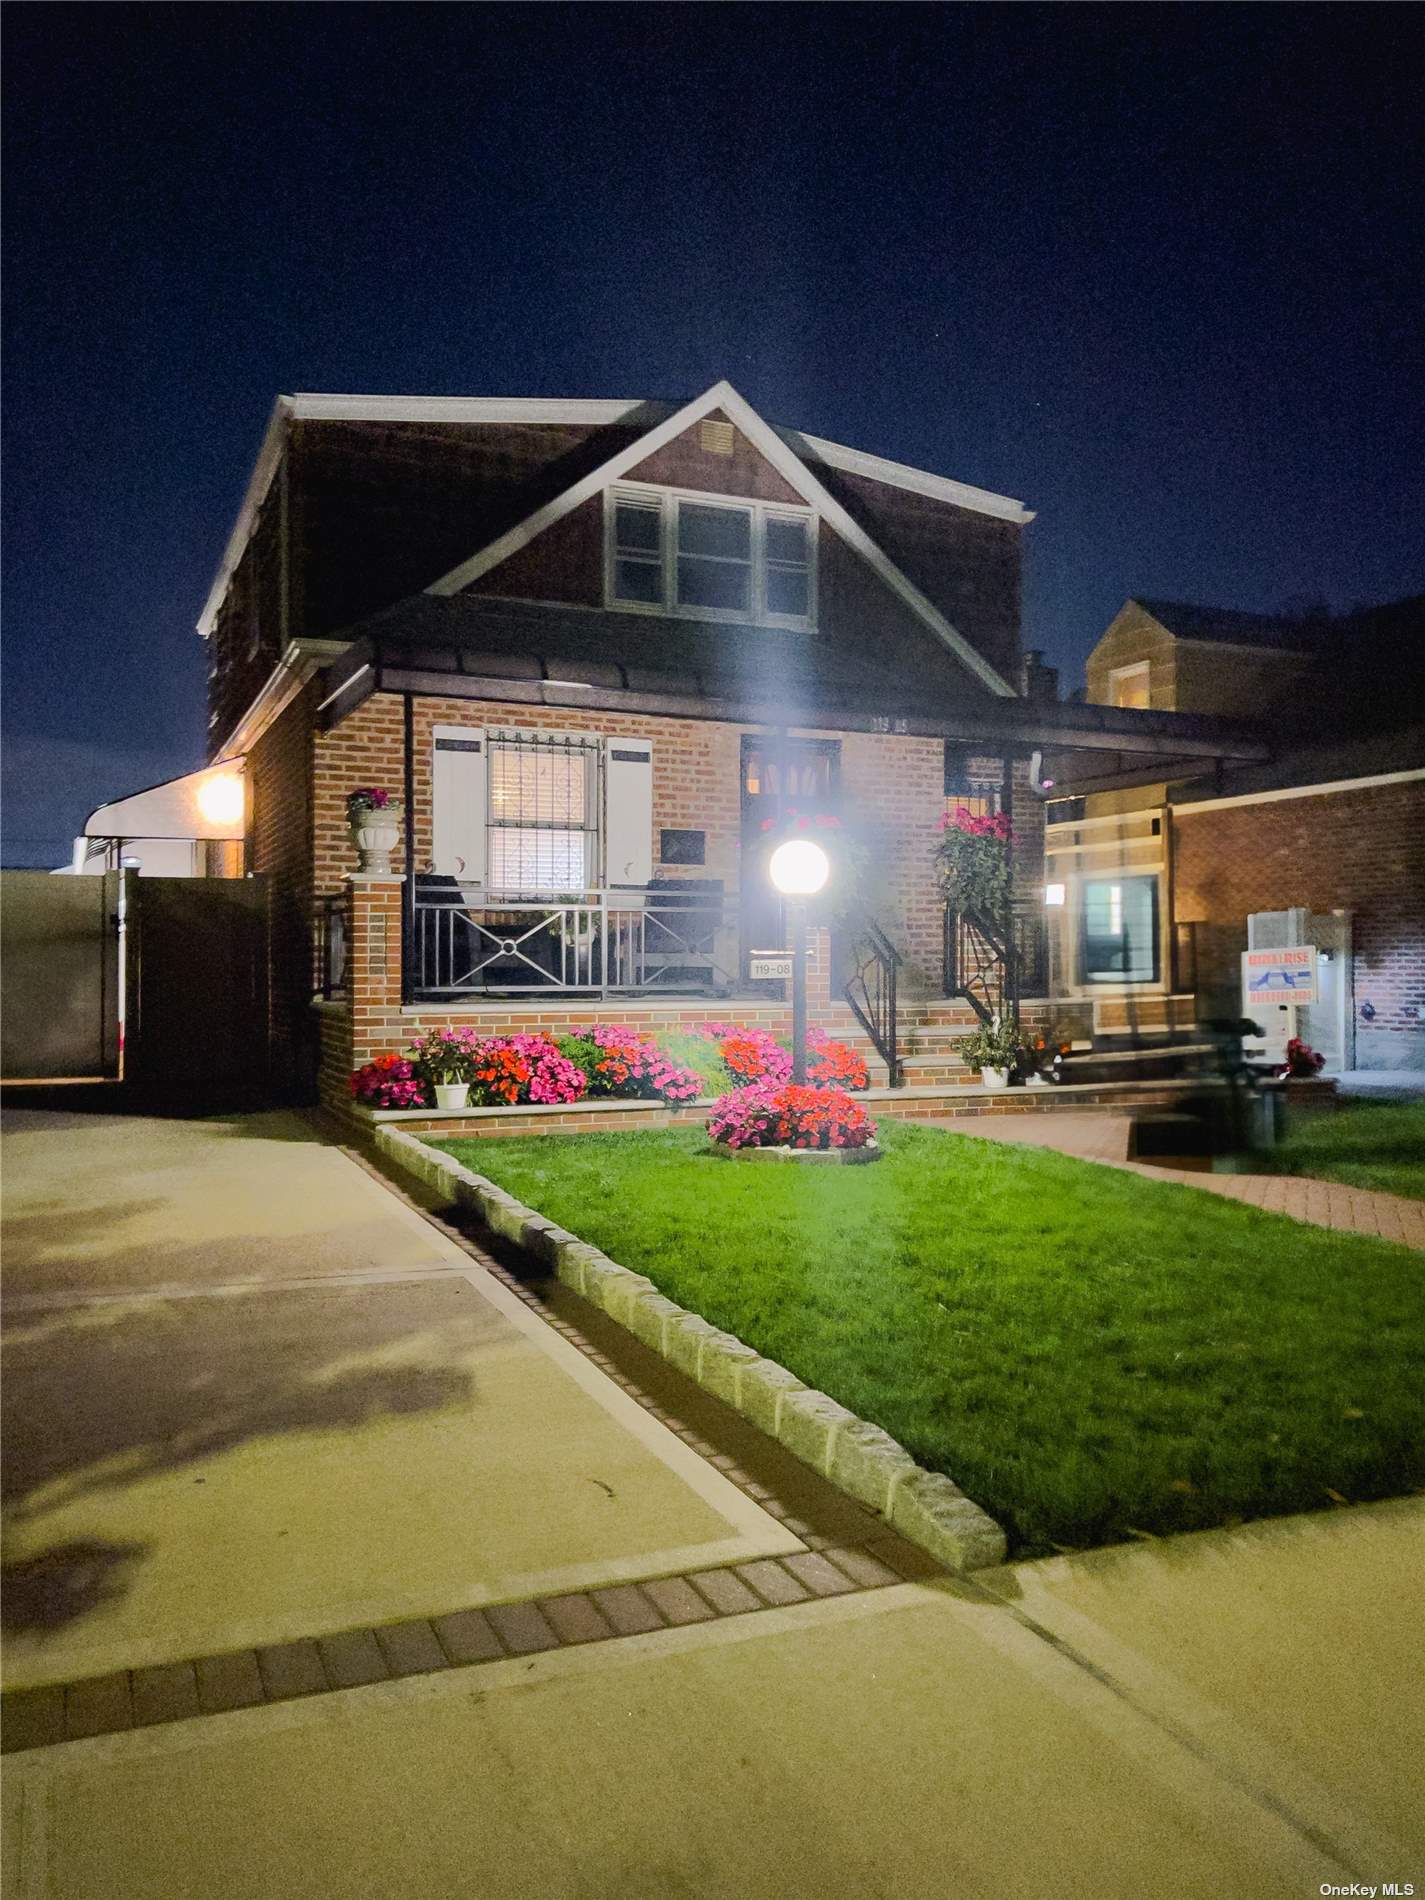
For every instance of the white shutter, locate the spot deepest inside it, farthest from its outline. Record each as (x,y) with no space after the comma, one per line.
(628,813)
(458,793)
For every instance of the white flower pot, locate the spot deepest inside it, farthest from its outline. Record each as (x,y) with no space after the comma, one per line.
(995,1078)
(452,1095)
(376,837)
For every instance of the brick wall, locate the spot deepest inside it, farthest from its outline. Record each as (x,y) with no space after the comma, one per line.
(371,1021)
(1362,851)
(892,789)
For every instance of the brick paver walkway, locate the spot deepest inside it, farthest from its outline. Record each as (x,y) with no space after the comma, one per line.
(1104,1138)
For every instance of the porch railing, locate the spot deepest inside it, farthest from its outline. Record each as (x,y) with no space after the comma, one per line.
(331,946)
(992,965)
(871,992)
(462,942)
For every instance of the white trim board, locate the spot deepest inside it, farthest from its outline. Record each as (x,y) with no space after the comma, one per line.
(317,407)
(1189,807)
(788,465)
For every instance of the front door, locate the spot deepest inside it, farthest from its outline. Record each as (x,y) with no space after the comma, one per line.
(778,775)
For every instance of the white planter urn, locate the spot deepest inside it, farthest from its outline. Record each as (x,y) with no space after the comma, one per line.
(376,836)
(995,1078)
(452,1095)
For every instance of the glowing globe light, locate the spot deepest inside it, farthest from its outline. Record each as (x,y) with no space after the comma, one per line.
(220,799)
(799,868)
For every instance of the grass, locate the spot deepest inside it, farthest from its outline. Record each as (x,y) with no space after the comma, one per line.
(1363,1144)
(1087,1353)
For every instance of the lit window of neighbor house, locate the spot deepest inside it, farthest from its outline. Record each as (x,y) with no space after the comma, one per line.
(1128,686)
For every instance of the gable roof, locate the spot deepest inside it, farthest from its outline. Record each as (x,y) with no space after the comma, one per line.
(1186,620)
(317,407)
(793,470)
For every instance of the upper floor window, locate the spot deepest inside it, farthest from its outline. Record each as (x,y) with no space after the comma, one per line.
(1128,686)
(710,559)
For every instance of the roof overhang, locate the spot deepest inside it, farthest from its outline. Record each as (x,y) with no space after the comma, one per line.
(173,809)
(1017,726)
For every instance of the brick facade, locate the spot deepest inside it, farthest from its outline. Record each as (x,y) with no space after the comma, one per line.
(1362,851)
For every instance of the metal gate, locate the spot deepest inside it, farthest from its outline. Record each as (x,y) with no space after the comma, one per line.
(196,993)
(160,983)
(59,952)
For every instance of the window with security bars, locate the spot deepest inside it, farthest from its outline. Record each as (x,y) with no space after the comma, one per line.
(542,815)
(973,782)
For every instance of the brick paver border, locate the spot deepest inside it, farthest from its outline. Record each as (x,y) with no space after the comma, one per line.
(349,1659)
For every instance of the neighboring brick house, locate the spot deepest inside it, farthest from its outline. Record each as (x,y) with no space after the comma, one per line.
(594,645)
(1324,843)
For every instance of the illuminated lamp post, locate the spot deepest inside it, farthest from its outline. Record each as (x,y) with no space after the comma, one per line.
(799,869)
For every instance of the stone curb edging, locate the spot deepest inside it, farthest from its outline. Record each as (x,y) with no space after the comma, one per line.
(858,1457)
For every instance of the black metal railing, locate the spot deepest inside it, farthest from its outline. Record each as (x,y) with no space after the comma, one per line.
(991,965)
(871,993)
(331,946)
(463,942)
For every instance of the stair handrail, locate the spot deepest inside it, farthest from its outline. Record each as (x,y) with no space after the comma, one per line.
(876,976)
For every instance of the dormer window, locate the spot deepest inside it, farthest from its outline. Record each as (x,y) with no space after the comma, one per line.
(705,558)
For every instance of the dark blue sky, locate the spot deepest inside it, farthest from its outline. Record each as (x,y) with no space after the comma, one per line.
(1157,271)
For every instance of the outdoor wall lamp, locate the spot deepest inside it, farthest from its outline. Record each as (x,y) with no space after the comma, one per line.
(798,870)
(1054,896)
(221,799)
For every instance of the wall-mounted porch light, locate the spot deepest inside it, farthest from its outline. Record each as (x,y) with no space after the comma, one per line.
(1054,896)
(220,799)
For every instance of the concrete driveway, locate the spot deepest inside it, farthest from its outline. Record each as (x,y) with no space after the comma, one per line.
(267,1433)
(249,1395)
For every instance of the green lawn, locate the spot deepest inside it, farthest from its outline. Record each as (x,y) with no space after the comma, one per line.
(1364,1144)
(1087,1353)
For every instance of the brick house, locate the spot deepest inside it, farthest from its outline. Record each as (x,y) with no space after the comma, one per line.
(1324,843)
(594,645)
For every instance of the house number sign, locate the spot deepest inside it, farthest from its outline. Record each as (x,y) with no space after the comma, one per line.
(764,965)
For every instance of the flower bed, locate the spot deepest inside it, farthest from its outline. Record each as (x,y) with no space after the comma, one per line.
(790,1116)
(606,1060)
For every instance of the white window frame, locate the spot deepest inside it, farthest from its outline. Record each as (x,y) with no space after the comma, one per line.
(1117,676)
(589,746)
(669,501)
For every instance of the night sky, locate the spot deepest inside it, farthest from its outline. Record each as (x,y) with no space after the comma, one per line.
(1156,271)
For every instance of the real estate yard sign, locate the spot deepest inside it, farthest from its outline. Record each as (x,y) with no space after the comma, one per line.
(1279,976)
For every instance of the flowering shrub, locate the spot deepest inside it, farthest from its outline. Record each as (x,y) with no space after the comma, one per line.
(750,1054)
(552,1076)
(973,861)
(1302,1061)
(754,1055)
(835,1064)
(368,798)
(623,1061)
(782,1114)
(446,1055)
(500,1075)
(388,1082)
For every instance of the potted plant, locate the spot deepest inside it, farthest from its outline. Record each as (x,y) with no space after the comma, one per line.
(445,1060)
(994,1050)
(375,820)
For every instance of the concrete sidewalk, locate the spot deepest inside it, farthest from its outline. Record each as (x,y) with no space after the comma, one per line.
(1104,1138)
(1237,1714)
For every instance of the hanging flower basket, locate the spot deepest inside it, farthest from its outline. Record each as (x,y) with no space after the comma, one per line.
(972,861)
